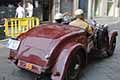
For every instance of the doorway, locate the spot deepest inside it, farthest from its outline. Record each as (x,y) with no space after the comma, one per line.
(83,4)
(66,6)
(44,9)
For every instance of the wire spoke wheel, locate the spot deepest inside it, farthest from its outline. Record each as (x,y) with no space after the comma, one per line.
(74,69)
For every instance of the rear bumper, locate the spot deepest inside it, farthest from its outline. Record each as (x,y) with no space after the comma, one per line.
(30,67)
(12,56)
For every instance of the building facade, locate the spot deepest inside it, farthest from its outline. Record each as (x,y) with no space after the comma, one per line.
(92,8)
(103,8)
(46,9)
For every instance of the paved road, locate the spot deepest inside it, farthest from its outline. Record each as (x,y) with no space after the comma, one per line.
(98,69)
(105,69)
(9,71)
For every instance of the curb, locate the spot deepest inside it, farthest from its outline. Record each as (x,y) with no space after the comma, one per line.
(3,40)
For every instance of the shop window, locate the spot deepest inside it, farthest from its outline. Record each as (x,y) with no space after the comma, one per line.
(42,9)
(97,7)
(110,8)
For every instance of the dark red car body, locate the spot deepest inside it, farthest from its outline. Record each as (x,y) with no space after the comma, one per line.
(49,48)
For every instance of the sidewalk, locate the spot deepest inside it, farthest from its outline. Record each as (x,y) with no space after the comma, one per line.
(113,23)
(107,20)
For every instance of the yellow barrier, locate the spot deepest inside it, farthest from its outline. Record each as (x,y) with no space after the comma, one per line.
(16,26)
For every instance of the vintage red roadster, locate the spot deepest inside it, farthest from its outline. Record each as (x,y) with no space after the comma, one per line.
(59,52)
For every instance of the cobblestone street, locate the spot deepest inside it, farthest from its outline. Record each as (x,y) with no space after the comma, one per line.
(105,69)
(98,69)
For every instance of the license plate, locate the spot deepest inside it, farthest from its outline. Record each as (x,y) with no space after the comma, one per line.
(13,44)
(28,66)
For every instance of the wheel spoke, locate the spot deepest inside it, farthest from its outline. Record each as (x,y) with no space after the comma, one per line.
(73,69)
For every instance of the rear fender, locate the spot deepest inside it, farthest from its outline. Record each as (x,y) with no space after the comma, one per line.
(62,63)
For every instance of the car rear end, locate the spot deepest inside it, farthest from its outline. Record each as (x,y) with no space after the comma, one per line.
(31,54)
(34,48)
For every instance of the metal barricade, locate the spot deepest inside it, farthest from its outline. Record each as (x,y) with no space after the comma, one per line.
(16,26)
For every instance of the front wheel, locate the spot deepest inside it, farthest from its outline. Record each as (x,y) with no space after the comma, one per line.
(112,47)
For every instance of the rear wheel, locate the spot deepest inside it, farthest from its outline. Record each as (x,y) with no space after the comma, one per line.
(74,68)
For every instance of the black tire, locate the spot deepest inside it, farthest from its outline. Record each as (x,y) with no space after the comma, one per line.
(99,39)
(74,68)
(112,47)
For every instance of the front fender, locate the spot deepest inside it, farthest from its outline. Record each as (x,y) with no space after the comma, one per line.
(61,65)
(113,36)
(114,33)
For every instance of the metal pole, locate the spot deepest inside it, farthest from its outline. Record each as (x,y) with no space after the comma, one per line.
(56,7)
(89,9)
